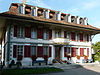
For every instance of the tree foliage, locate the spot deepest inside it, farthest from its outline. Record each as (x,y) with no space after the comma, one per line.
(96,48)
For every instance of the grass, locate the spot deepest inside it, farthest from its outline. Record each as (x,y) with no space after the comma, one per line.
(30,71)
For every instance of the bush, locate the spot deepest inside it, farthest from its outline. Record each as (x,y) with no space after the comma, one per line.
(19,64)
(53,61)
(12,63)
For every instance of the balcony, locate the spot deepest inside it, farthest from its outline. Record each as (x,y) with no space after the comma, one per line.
(61,41)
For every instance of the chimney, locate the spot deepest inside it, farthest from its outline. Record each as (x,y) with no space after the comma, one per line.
(85,21)
(69,18)
(58,16)
(77,20)
(46,13)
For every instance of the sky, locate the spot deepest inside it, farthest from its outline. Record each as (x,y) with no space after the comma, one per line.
(83,8)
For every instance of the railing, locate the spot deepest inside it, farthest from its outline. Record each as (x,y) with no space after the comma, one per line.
(61,41)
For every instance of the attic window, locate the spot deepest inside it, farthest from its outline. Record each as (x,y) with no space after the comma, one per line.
(72,19)
(21,9)
(40,12)
(27,10)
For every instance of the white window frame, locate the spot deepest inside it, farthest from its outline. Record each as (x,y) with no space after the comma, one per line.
(46,50)
(20,32)
(19,50)
(20,9)
(32,51)
(33,31)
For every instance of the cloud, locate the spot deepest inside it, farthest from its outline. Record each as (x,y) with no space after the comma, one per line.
(39,3)
(90,5)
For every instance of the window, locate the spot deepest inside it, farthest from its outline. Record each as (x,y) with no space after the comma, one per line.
(34,33)
(21,9)
(76,51)
(45,50)
(33,50)
(85,38)
(68,50)
(77,37)
(19,50)
(85,51)
(20,32)
(46,34)
(57,34)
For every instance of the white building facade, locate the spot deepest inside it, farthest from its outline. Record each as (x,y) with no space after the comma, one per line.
(33,32)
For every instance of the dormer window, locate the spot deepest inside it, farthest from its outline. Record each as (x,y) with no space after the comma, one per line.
(40,12)
(27,10)
(21,9)
(73,19)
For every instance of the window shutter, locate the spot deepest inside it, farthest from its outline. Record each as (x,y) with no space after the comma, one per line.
(28,32)
(88,52)
(65,51)
(50,34)
(81,37)
(15,31)
(39,51)
(81,52)
(27,51)
(73,36)
(40,33)
(73,53)
(50,48)
(65,34)
(14,51)
(87,38)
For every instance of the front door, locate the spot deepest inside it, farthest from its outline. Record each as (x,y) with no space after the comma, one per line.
(57,53)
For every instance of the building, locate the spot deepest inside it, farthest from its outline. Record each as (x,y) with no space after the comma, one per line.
(29,32)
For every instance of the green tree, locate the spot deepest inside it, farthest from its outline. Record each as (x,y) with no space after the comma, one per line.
(96,48)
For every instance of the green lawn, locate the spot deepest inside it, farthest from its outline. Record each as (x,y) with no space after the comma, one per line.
(30,71)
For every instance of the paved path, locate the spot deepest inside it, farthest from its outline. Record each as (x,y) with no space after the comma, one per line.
(78,71)
(87,69)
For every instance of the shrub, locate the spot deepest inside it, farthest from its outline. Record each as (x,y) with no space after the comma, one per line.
(53,61)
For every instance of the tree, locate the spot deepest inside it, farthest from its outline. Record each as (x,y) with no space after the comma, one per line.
(96,48)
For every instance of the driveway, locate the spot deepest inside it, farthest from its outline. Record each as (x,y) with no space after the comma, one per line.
(85,70)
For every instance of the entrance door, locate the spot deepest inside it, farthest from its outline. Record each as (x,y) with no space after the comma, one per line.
(57,53)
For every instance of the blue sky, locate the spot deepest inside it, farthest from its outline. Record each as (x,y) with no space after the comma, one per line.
(83,8)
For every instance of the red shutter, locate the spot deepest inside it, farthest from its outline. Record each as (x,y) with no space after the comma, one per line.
(40,51)
(87,38)
(14,51)
(73,36)
(73,52)
(27,51)
(88,52)
(28,32)
(15,31)
(81,37)
(65,51)
(50,34)
(40,33)
(81,52)
(65,34)
(50,48)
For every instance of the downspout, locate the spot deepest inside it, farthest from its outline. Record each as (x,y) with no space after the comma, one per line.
(8,47)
